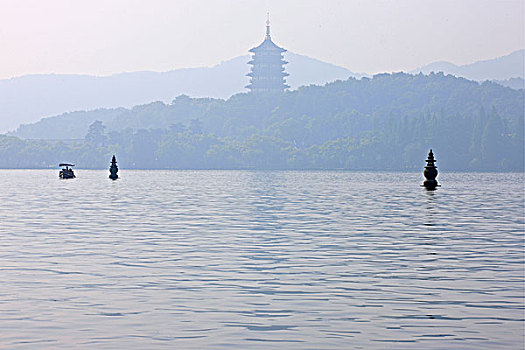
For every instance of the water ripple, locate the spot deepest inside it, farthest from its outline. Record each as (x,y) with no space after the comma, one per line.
(241,259)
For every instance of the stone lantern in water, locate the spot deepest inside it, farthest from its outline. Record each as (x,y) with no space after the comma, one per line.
(430,173)
(113,169)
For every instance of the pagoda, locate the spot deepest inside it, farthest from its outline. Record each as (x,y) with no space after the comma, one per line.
(430,173)
(267,72)
(113,169)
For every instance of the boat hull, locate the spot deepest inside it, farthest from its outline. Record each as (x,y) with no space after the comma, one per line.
(66,175)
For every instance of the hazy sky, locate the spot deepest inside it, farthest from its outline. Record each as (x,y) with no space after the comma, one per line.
(108,36)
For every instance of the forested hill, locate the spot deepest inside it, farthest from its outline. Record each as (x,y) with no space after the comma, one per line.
(386,123)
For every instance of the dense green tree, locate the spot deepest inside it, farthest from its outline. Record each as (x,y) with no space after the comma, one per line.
(96,134)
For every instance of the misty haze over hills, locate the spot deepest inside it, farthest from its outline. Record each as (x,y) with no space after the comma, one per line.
(28,98)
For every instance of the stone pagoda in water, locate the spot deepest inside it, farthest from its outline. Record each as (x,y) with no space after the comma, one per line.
(113,169)
(267,72)
(430,173)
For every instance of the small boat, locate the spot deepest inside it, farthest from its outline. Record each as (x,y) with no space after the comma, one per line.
(67,171)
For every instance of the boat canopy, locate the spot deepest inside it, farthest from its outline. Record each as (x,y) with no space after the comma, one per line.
(66,164)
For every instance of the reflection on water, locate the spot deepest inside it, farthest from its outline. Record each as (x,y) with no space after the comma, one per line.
(239,259)
(430,208)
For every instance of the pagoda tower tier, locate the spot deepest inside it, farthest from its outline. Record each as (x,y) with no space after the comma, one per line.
(267,71)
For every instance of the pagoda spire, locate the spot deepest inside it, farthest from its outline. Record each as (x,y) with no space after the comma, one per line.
(267,26)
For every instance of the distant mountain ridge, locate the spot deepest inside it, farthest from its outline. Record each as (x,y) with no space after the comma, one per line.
(499,69)
(29,98)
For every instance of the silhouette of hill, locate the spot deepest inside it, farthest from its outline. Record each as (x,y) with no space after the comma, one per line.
(29,98)
(501,68)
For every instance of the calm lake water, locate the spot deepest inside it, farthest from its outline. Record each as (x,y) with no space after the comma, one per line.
(260,260)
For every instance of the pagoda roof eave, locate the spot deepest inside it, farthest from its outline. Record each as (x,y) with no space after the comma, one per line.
(267,44)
